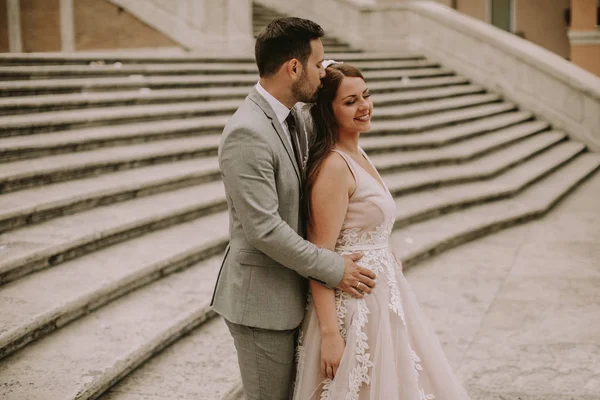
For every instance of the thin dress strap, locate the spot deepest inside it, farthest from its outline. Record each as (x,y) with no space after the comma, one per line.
(350,166)
(380,180)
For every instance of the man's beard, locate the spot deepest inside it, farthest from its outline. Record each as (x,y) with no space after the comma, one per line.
(302,91)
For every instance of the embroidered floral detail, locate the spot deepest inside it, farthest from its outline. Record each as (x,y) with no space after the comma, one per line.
(378,236)
(395,299)
(341,309)
(360,373)
(416,361)
(326,393)
(300,357)
(381,261)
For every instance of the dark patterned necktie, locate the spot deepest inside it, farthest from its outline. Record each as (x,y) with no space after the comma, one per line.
(291,123)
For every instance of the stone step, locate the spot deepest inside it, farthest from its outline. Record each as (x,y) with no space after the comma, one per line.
(419,109)
(137,82)
(47,300)
(11,125)
(86,271)
(383,75)
(464,151)
(415,96)
(413,84)
(428,204)
(208,349)
(410,242)
(141,382)
(38,204)
(418,124)
(87,357)
(47,122)
(116,69)
(346,48)
(104,58)
(111,57)
(37,247)
(74,85)
(57,102)
(481,168)
(373,56)
(18,175)
(74,140)
(442,136)
(35,293)
(85,139)
(41,203)
(22,255)
(393,64)
(425,239)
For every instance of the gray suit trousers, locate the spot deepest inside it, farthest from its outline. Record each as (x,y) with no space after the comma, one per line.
(266,359)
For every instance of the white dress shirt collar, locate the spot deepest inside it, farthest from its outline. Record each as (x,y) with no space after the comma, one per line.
(281,111)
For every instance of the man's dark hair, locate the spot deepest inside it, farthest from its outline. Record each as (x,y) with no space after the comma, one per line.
(282,40)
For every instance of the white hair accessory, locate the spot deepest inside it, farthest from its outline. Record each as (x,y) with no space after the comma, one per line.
(327,63)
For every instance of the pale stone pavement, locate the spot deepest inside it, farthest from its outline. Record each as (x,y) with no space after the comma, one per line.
(518,312)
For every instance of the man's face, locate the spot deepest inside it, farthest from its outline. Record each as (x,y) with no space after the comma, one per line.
(305,89)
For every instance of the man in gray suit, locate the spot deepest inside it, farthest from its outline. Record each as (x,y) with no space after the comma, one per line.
(262,288)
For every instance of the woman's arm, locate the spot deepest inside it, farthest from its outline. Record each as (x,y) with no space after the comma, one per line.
(329,200)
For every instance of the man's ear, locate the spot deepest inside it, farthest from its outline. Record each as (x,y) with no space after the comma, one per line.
(294,68)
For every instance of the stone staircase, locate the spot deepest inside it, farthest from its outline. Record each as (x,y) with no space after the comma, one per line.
(262,15)
(113,219)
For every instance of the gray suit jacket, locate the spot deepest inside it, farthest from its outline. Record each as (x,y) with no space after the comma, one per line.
(262,280)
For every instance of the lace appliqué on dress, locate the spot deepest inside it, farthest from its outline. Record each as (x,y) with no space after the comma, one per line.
(360,372)
(350,237)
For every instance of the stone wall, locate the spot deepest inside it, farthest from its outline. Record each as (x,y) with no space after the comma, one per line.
(217,27)
(543,23)
(102,25)
(588,56)
(3,27)
(473,8)
(40,25)
(557,90)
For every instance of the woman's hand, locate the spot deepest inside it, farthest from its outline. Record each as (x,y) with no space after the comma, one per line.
(332,349)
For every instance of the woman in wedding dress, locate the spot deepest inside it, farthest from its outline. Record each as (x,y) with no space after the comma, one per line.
(380,346)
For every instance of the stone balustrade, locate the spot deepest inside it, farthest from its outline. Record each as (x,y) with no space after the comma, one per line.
(537,79)
(204,26)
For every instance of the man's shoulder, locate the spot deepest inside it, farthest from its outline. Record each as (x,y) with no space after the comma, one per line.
(248,116)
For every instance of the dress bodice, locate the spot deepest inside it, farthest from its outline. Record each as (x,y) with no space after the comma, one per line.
(371,211)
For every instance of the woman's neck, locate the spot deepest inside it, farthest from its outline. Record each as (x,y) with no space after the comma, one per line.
(348,142)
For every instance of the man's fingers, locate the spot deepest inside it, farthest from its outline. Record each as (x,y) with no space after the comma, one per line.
(366,283)
(367,272)
(355,293)
(363,288)
(356,256)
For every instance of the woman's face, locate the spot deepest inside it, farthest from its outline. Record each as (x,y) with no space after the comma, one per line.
(353,106)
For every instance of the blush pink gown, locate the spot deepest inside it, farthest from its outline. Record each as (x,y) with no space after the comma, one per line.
(391,351)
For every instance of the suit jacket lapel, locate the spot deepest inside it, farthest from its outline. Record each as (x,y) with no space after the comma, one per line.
(264,105)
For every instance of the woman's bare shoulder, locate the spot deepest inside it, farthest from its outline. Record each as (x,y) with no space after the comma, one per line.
(336,172)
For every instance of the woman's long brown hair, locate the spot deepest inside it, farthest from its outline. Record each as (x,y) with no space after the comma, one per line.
(325,128)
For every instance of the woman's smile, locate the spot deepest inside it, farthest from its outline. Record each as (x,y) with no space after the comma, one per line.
(364,117)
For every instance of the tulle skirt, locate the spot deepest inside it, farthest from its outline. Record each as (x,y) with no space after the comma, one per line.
(391,350)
